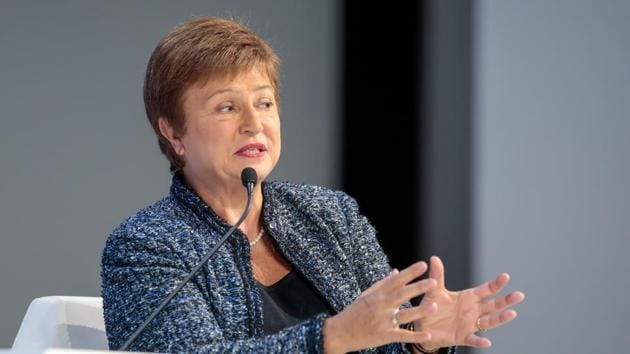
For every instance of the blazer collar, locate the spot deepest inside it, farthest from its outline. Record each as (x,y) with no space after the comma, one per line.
(306,241)
(189,198)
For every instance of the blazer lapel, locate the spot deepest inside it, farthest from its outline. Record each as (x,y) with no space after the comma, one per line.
(311,247)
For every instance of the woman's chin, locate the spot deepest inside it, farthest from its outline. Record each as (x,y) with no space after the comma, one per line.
(262,164)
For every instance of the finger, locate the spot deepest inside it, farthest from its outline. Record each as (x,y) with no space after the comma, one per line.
(407,336)
(380,283)
(406,315)
(414,289)
(437,271)
(503,302)
(492,287)
(495,320)
(474,340)
(405,276)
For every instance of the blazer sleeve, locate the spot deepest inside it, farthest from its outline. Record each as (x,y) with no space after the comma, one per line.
(367,257)
(370,262)
(138,272)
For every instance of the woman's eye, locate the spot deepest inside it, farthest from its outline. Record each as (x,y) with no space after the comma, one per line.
(226,108)
(266,104)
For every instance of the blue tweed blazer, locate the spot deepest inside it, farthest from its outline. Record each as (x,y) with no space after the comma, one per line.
(318,230)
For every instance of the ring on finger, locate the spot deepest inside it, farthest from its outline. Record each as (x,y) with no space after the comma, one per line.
(395,322)
(478,323)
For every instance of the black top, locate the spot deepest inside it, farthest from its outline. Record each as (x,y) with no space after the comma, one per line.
(289,301)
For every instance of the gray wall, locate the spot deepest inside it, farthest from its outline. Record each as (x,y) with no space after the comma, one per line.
(552,180)
(446,135)
(76,150)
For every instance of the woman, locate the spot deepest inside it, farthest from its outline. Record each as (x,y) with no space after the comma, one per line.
(304,272)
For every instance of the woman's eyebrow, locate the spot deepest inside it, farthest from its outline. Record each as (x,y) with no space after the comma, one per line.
(263,87)
(229,89)
(218,92)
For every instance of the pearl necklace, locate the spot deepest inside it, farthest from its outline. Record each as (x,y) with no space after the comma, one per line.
(258,237)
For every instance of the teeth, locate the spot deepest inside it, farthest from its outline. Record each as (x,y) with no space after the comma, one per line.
(252,151)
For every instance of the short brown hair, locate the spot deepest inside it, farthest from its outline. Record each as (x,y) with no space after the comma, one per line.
(192,52)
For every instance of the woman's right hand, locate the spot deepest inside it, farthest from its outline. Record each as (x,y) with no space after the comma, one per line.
(368,321)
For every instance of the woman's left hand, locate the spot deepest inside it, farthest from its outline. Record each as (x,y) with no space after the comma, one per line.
(462,313)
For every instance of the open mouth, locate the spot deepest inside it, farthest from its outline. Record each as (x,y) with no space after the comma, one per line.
(251,151)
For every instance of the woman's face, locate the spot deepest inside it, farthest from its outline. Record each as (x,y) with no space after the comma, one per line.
(231,123)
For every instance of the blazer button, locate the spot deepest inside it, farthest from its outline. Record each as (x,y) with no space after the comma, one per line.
(272,225)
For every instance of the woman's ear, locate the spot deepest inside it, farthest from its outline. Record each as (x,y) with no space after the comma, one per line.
(171,135)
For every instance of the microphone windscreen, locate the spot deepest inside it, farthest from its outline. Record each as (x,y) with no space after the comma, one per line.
(248,175)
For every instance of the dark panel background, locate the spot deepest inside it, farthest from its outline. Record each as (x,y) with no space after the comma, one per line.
(406,134)
(381,160)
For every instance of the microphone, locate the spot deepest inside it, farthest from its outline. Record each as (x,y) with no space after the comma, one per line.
(248,178)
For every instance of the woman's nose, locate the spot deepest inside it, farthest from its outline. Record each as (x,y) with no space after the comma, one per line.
(251,122)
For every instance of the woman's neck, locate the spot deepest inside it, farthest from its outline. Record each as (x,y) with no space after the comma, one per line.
(229,201)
